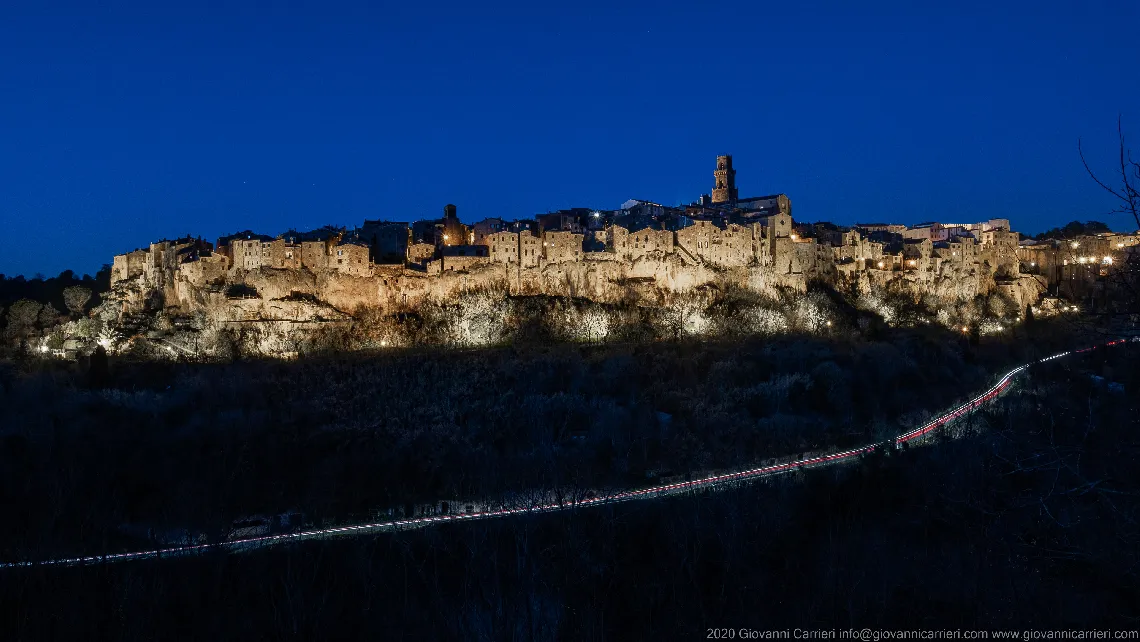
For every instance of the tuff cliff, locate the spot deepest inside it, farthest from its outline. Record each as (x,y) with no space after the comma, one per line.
(213,293)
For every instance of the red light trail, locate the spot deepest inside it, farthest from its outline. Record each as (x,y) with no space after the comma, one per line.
(546,507)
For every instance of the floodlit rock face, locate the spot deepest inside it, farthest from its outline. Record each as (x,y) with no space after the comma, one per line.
(674,271)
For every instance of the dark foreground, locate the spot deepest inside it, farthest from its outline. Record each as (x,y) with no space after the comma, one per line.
(1031,521)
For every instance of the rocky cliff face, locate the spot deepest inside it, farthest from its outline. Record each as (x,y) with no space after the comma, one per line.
(201,309)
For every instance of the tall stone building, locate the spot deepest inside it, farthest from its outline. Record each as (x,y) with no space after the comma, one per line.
(724,189)
(453,232)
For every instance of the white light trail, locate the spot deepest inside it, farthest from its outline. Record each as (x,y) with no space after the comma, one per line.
(545,507)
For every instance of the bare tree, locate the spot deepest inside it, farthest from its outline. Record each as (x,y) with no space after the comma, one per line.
(1128,192)
(1125,278)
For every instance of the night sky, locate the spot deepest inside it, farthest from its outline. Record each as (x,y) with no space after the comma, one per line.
(123,124)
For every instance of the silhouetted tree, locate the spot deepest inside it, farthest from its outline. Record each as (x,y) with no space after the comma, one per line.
(98,370)
(1124,278)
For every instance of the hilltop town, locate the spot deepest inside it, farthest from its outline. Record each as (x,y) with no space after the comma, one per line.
(642,249)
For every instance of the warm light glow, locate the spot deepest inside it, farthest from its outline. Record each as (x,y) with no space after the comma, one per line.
(910,262)
(880,265)
(445,237)
(794,237)
(1033,264)
(1108,260)
(1076,245)
(1119,245)
(1083,260)
(383,342)
(829,324)
(965,329)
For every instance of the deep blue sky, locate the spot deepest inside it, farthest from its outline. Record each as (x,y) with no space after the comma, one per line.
(123,124)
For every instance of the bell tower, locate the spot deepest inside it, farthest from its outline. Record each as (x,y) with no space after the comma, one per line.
(724,189)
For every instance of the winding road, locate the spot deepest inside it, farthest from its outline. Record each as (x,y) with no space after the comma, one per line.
(547,505)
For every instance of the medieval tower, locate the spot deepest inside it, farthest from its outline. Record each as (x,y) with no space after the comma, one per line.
(724,189)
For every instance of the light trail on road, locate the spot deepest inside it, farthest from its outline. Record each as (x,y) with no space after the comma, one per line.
(547,507)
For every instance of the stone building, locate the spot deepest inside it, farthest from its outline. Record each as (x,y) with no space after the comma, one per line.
(530,250)
(1000,238)
(283,254)
(463,257)
(724,183)
(128,266)
(453,232)
(921,231)
(315,255)
(698,239)
(387,240)
(206,269)
(880,227)
(574,219)
(351,257)
(631,246)
(528,225)
(738,245)
(731,246)
(485,228)
(1000,246)
(763,206)
(562,247)
(963,250)
(917,254)
(864,253)
(160,263)
(247,252)
(420,253)
(503,247)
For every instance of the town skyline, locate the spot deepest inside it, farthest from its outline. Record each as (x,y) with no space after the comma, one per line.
(471,220)
(124,126)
